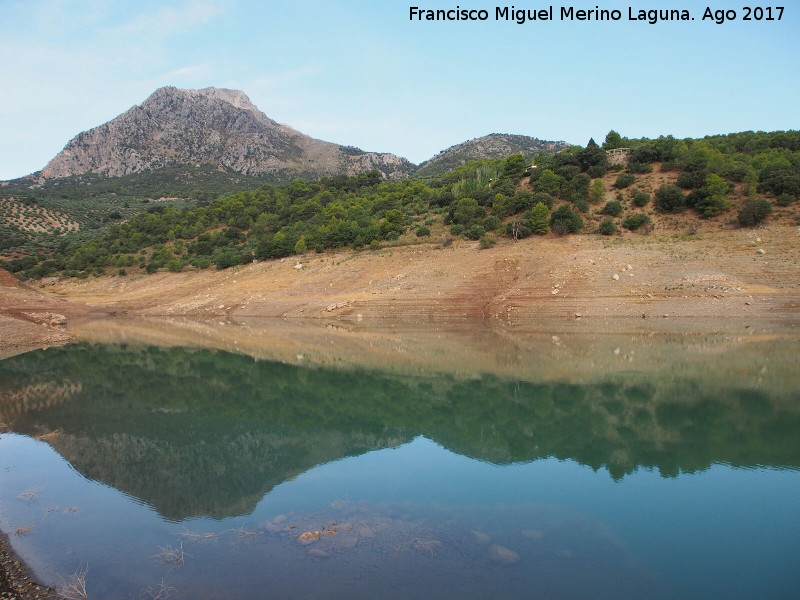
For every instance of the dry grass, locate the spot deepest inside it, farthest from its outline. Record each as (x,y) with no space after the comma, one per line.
(71,509)
(29,495)
(74,588)
(160,592)
(175,557)
(429,546)
(242,535)
(196,538)
(52,509)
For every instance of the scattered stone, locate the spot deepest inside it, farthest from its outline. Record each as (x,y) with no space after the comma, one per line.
(578,315)
(554,291)
(308,537)
(616,351)
(502,555)
(628,267)
(279,519)
(564,553)
(298,266)
(317,553)
(761,251)
(615,277)
(481,537)
(366,532)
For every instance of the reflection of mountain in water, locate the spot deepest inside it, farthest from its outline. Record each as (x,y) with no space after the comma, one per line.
(206,432)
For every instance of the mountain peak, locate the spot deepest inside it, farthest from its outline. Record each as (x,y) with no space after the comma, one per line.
(213,126)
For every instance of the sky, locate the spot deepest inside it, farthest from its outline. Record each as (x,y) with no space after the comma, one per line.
(361,73)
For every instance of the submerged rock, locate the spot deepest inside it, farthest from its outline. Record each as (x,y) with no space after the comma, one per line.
(308,537)
(533,534)
(502,555)
(480,537)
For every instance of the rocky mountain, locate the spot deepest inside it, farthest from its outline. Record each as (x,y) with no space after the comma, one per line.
(210,126)
(494,145)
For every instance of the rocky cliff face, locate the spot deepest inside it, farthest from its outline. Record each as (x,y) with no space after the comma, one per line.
(210,126)
(494,145)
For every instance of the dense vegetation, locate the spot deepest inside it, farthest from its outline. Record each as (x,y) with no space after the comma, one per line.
(480,201)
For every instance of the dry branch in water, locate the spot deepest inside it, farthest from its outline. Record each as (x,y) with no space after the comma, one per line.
(24,530)
(47,511)
(198,537)
(172,556)
(74,588)
(160,592)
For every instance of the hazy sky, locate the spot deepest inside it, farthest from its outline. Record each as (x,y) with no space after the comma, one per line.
(360,73)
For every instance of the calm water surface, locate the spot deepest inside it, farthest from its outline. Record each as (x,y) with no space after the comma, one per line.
(587,475)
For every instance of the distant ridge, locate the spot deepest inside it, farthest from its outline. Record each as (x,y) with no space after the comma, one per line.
(494,145)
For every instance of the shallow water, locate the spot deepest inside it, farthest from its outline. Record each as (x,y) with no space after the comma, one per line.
(526,467)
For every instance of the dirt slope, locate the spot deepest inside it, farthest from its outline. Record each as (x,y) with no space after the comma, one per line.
(711,274)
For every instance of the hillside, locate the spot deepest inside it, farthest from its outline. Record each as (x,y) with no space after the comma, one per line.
(495,145)
(210,126)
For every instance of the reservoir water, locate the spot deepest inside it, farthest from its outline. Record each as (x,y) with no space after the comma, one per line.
(255,460)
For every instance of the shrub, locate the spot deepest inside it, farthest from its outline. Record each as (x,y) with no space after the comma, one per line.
(564,221)
(539,217)
(596,171)
(487,241)
(519,229)
(123,272)
(424,231)
(669,198)
(543,198)
(640,167)
(641,199)
(457,229)
(785,199)
(711,206)
(613,208)
(754,211)
(635,221)
(624,180)
(174,265)
(201,262)
(597,192)
(667,165)
(608,227)
(300,247)
(475,232)
(491,222)
(581,205)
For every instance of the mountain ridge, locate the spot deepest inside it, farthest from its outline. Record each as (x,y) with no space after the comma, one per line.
(216,126)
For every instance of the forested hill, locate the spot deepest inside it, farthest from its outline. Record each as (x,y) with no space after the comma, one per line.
(495,145)
(733,180)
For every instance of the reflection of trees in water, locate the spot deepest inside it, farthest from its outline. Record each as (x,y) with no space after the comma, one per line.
(208,432)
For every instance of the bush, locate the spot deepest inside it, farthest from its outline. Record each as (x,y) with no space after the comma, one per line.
(612,208)
(544,198)
(491,223)
(564,221)
(667,165)
(754,211)
(641,199)
(424,231)
(608,227)
(538,220)
(519,228)
(582,205)
(785,199)
(624,180)
(475,232)
(670,198)
(487,241)
(596,171)
(123,272)
(640,167)
(201,262)
(456,230)
(174,265)
(635,221)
